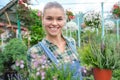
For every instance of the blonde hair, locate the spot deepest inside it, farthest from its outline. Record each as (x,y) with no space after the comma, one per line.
(52,5)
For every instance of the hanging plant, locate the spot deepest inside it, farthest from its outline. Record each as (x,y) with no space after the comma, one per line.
(92,19)
(116,10)
(70,15)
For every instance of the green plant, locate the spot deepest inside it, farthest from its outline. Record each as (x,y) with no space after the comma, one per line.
(14,51)
(32,19)
(116,10)
(70,15)
(55,73)
(92,19)
(102,53)
(1,63)
(37,33)
(116,74)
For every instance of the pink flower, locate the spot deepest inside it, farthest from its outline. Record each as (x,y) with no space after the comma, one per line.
(21,62)
(33,55)
(35,64)
(39,13)
(20,2)
(43,57)
(40,60)
(17,63)
(42,75)
(22,66)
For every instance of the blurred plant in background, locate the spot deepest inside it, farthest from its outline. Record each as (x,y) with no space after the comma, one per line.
(116,10)
(71,26)
(70,15)
(13,58)
(92,19)
(109,25)
(32,20)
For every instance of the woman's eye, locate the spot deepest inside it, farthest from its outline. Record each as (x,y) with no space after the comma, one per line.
(60,19)
(49,18)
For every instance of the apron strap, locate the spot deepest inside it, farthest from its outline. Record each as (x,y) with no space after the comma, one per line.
(49,53)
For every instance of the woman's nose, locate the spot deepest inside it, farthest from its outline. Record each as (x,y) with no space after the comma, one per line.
(54,22)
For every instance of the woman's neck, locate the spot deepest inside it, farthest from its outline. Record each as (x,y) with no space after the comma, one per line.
(55,39)
(58,41)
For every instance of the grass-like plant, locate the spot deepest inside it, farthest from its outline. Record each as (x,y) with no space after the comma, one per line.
(102,53)
(13,57)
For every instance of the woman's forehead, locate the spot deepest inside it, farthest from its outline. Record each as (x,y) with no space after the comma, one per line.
(54,11)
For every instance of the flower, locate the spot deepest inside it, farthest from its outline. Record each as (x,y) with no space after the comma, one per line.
(17,63)
(88,29)
(20,64)
(109,25)
(71,25)
(70,15)
(92,19)
(20,2)
(39,13)
(43,75)
(116,9)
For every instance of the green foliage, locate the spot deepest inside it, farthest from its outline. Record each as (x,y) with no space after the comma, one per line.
(13,51)
(102,54)
(33,21)
(55,73)
(116,74)
(37,33)
(1,62)
(28,17)
(116,9)
(70,15)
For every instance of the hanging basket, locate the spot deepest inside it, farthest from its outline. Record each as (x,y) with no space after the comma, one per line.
(102,74)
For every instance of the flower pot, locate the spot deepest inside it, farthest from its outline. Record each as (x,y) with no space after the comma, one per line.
(102,74)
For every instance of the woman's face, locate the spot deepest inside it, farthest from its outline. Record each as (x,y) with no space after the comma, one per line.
(53,21)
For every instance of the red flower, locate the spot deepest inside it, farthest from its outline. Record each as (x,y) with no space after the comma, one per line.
(115,6)
(116,10)
(71,17)
(20,2)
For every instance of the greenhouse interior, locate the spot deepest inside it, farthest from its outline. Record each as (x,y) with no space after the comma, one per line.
(59,40)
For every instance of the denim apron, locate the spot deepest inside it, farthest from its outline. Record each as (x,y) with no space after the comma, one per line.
(74,66)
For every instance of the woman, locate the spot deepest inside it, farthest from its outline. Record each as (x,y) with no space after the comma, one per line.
(53,20)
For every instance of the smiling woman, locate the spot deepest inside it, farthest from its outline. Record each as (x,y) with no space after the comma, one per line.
(53,20)
(54,47)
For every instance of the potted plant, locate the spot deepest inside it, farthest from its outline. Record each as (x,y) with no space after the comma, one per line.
(13,58)
(102,54)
